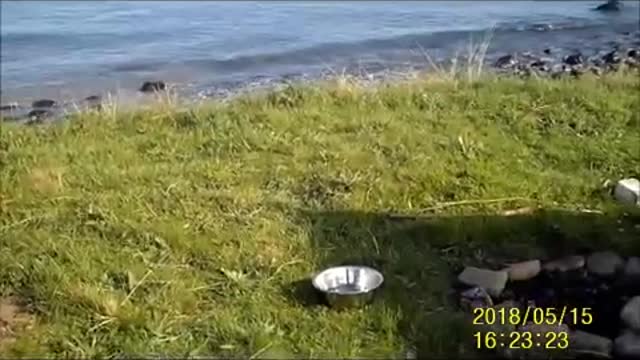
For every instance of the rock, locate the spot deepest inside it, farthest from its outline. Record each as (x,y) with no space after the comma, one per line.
(633,53)
(492,281)
(38,114)
(43,103)
(582,342)
(565,264)
(505,61)
(538,64)
(627,345)
(524,270)
(631,62)
(8,107)
(612,57)
(609,6)
(153,86)
(95,102)
(604,263)
(474,298)
(632,269)
(627,191)
(576,72)
(630,314)
(573,59)
(596,70)
(547,51)
(93,98)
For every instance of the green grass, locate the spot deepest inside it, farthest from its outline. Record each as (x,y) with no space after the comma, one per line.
(192,231)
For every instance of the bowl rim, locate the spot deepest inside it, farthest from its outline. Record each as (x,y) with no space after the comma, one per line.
(317,275)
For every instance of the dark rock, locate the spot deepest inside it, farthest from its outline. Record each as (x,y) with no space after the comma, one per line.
(627,345)
(633,53)
(505,61)
(604,263)
(573,59)
(538,63)
(583,342)
(95,102)
(43,103)
(612,57)
(93,98)
(153,86)
(547,51)
(609,6)
(10,106)
(576,72)
(39,114)
(492,281)
(630,314)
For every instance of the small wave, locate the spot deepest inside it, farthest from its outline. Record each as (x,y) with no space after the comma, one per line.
(332,52)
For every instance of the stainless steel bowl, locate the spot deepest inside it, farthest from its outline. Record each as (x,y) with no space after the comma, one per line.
(348,286)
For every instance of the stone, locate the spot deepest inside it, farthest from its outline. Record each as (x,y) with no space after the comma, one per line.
(524,270)
(612,57)
(93,98)
(633,53)
(547,51)
(505,61)
(627,191)
(627,345)
(609,6)
(153,86)
(43,103)
(604,263)
(576,72)
(8,107)
(567,263)
(493,282)
(630,314)
(573,59)
(582,342)
(632,269)
(38,114)
(474,298)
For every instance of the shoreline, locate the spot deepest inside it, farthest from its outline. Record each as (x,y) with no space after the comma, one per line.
(549,63)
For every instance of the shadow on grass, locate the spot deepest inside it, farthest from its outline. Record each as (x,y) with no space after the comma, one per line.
(420,258)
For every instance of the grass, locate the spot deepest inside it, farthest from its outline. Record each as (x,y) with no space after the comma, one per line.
(193,231)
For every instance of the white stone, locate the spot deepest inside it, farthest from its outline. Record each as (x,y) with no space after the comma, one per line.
(630,313)
(524,270)
(627,345)
(492,281)
(627,191)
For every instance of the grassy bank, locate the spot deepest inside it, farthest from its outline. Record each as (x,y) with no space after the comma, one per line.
(191,231)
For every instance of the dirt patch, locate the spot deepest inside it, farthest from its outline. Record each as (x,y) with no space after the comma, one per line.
(46,180)
(14,318)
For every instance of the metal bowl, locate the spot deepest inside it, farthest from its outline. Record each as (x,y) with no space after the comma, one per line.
(348,286)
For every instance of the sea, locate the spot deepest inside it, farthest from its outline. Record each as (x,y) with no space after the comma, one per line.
(70,49)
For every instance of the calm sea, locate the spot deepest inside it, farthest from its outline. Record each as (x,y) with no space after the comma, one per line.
(60,48)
